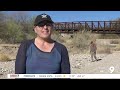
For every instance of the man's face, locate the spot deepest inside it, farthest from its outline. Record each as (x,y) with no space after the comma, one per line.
(44,29)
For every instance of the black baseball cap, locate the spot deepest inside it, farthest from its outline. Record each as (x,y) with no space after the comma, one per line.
(41,18)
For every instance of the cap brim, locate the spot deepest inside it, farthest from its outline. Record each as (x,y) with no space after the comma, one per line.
(46,21)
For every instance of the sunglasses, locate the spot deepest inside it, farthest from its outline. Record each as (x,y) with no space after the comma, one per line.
(43,24)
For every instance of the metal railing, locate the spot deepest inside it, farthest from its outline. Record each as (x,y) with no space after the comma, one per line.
(93,26)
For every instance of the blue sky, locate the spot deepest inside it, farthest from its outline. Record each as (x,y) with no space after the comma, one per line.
(68,16)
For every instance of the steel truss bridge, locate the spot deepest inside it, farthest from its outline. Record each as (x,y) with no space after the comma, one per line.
(112,27)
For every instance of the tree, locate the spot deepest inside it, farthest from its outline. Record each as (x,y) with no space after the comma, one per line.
(13,32)
(2,24)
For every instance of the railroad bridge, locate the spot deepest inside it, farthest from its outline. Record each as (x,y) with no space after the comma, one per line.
(112,27)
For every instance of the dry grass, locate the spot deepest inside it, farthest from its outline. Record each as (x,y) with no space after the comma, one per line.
(79,42)
(4,57)
(104,49)
(109,36)
(115,41)
(117,48)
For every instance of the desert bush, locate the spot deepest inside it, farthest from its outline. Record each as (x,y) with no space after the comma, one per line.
(80,42)
(4,57)
(114,41)
(57,36)
(117,48)
(109,36)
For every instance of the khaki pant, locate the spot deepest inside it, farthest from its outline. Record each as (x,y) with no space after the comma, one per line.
(93,56)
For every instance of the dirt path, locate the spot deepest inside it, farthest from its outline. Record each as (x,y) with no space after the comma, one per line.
(85,66)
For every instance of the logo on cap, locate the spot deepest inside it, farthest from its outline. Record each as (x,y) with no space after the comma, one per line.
(44,16)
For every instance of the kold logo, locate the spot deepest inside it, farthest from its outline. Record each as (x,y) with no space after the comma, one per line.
(14,75)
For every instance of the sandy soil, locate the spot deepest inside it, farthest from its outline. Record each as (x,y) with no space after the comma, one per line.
(81,64)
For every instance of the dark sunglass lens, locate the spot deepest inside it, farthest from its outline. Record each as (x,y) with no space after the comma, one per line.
(48,24)
(41,24)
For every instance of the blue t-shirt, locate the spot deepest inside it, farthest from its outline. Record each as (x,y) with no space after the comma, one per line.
(42,62)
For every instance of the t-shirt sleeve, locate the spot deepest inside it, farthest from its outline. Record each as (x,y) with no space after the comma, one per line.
(20,62)
(65,63)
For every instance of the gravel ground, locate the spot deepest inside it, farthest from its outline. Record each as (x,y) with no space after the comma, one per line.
(80,64)
(6,68)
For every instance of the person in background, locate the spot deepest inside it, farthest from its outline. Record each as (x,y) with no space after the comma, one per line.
(42,55)
(93,49)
